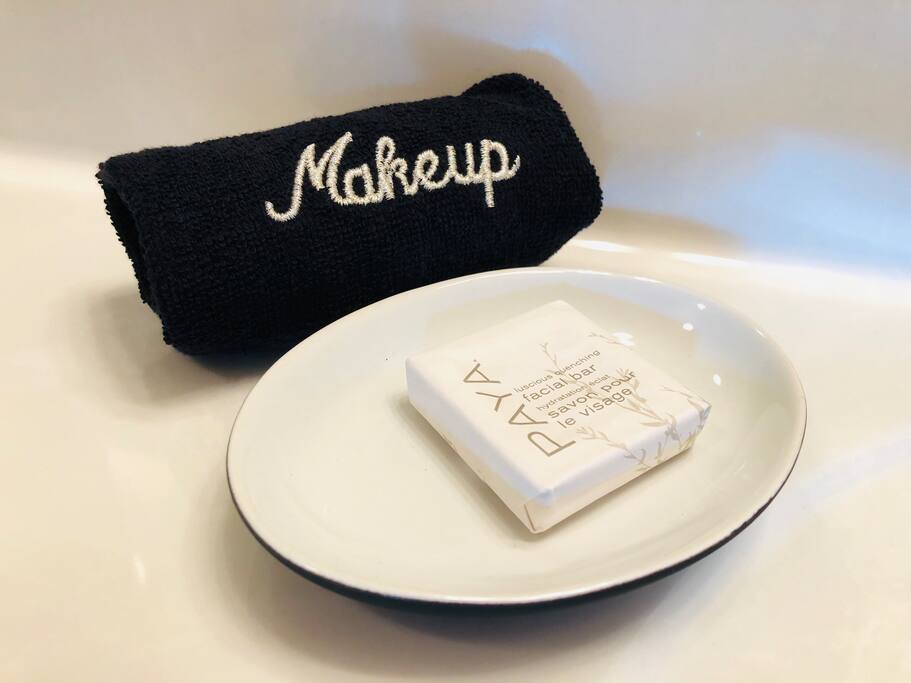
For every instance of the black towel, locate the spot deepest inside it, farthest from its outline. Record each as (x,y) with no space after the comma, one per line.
(258,240)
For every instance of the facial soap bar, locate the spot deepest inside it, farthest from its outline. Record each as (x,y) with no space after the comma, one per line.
(551,411)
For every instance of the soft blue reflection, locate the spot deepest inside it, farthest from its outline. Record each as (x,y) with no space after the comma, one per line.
(792,193)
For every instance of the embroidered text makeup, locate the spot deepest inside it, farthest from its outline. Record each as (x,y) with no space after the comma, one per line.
(324,174)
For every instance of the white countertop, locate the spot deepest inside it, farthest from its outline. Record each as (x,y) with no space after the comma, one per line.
(122,557)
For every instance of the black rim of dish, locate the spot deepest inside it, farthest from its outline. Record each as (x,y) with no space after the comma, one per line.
(389,600)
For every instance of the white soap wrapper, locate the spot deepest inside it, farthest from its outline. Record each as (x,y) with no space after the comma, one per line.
(551,411)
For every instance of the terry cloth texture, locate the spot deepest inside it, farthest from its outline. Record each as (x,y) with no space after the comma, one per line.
(258,240)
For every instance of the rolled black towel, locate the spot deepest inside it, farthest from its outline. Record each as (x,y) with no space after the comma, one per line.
(258,240)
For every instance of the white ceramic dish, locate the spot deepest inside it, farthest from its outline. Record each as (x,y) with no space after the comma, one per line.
(342,480)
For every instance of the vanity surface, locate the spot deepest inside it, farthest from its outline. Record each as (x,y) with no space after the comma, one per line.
(760,159)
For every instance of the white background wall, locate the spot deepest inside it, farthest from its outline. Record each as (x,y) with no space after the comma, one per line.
(780,128)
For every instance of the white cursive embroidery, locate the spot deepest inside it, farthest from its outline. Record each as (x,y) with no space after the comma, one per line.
(324,174)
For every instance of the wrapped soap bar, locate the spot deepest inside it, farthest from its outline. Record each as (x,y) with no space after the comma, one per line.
(551,411)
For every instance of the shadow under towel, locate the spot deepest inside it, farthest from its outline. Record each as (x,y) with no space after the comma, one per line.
(258,240)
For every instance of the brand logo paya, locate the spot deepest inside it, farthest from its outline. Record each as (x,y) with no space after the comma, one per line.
(324,174)
(518,418)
